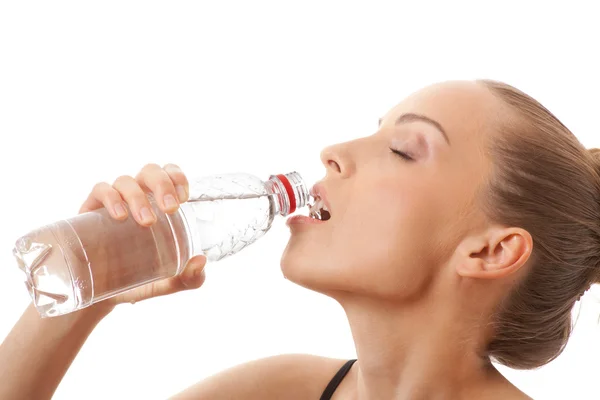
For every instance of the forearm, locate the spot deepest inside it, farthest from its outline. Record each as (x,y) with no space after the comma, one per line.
(36,354)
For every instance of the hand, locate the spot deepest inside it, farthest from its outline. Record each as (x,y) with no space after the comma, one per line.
(170,187)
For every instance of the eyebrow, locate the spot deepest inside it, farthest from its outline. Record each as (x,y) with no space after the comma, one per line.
(410,117)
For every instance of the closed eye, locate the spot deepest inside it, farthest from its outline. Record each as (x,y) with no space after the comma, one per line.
(402,154)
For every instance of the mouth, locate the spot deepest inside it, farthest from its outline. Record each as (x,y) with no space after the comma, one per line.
(320,209)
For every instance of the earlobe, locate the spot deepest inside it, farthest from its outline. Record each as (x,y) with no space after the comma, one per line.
(498,253)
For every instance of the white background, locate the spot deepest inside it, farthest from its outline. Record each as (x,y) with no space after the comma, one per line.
(93,90)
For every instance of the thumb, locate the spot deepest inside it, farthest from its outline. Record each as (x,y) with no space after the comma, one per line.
(193,275)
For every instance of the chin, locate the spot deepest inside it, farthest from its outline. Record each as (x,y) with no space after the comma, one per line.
(301,265)
(313,269)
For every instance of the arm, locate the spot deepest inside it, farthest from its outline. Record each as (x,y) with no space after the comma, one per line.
(36,354)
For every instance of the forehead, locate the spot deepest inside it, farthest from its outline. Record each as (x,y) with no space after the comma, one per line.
(464,109)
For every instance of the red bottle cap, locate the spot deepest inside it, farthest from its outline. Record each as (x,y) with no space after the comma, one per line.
(289,190)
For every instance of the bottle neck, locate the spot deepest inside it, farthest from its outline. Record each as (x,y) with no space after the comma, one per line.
(290,192)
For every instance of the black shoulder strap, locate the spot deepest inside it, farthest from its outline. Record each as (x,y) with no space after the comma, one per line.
(337,379)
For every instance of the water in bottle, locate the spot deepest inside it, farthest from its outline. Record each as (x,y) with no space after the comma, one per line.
(74,263)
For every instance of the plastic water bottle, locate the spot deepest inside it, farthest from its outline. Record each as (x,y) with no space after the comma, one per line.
(74,263)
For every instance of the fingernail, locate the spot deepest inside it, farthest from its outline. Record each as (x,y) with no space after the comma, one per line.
(146,215)
(170,202)
(119,210)
(181,193)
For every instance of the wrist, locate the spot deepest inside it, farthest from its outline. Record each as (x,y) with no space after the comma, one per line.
(95,312)
(86,316)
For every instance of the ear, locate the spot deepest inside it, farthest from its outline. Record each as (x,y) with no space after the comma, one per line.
(496,253)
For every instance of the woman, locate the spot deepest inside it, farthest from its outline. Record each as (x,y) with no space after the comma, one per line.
(462,231)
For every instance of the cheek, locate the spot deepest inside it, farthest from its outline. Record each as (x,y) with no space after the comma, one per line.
(394,214)
(377,245)
(381,243)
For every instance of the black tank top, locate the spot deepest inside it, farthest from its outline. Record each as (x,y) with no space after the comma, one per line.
(337,379)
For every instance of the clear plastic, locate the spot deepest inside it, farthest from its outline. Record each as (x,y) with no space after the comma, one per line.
(74,263)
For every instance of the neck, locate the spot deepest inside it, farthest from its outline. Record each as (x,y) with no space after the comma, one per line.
(417,351)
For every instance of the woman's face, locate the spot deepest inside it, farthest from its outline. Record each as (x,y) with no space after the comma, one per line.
(397,218)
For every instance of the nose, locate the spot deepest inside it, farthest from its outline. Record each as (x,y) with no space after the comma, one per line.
(337,160)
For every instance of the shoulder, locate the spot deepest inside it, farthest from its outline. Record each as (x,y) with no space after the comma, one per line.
(289,376)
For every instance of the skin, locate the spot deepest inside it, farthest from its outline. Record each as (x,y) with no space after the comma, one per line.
(409,255)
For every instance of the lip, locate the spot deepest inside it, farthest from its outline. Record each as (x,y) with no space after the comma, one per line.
(318,190)
(303,220)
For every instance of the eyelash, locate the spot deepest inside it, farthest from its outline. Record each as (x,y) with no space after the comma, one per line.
(402,155)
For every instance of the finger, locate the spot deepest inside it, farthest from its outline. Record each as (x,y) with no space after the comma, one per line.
(192,277)
(157,181)
(194,281)
(137,200)
(104,195)
(182,186)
